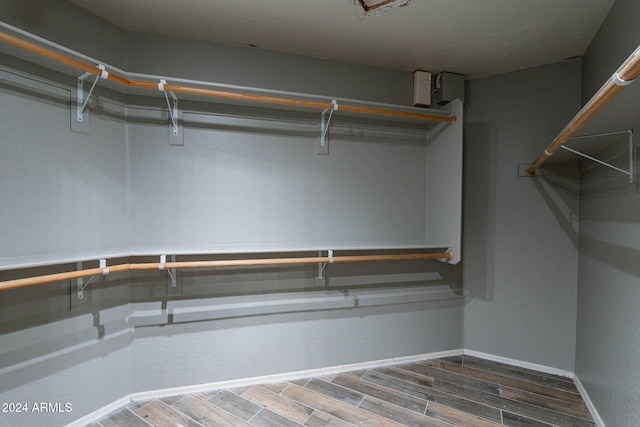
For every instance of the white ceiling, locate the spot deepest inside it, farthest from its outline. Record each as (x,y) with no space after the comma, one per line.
(472,37)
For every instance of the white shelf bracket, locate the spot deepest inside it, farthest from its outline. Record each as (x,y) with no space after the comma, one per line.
(323,146)
(173,109)
(173,287)
(321,277)
(81,101)
(81,286)
(629,173)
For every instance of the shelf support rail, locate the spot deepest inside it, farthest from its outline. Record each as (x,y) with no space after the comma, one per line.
(81,102)
(623,77)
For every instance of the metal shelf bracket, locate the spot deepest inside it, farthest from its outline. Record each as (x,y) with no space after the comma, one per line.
(81,101)
(173,285)
(81,286)
(323,144)
(629,173)
(321,277)
(173,110)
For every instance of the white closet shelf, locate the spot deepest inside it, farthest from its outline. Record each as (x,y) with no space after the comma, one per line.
(31,261)
(55,57)
(163,265)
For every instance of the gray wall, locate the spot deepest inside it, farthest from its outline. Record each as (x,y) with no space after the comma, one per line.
(520,236)
(608,329)
(168,56)
(121,182)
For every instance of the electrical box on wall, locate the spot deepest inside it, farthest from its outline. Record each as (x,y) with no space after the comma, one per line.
(447,87)
(421,88)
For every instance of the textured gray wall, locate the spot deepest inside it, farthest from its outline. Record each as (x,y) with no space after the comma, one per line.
(168,56)
(93,37)
(608,333)
(71,191)
(520,237)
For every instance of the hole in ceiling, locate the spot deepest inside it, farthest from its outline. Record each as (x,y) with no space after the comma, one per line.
(366,8)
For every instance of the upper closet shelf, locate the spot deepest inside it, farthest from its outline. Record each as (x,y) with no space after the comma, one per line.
(59,58)
(12,263)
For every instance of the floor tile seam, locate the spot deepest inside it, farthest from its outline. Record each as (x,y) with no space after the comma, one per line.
(561,378)
(497,383)
(395,368)
(502,375)
(310,415)
(138,416)
(547,423)
(356,407)
(468,400)
(433,389)
(382,416)
(529,382)
(438,419)
(178,410)
(236,394)
(264,408)
(188,417)
(424,413)
(390,391)
(525,404)
(287,398)
(393,389)
(211,403)
(590,419)
(254,415)
(488,405)
(457,374)
(323,412)
(514,412)
(419,374)
(337,385)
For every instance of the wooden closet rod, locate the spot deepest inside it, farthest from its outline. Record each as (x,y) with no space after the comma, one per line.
(64,59)
(71,275)
(625,75)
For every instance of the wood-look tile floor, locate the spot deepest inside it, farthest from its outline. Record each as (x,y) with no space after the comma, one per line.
(452,391)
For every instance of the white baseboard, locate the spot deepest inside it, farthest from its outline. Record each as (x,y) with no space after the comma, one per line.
(520,363)
(332,370)
(288,376)
(588,402)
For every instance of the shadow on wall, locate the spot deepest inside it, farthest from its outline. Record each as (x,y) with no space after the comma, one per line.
(561,192)
(479,209)
(612,214)
(45,329)
(619,257)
